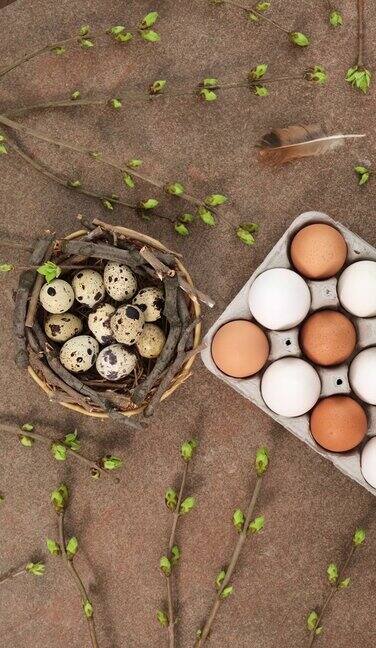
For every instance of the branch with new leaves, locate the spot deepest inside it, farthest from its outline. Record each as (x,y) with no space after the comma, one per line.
(359,76)
(179,506)
(61,449)
(68,549)
(33,568)
(245,525)
(338,581)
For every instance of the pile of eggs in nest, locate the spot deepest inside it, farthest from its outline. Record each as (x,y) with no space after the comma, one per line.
(280,299)
(121,319)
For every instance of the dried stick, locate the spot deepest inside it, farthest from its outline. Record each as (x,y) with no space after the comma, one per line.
(360,7)
(34,297)
(101,251)
(258,14)
(338,584)
(25,284)
(77,580)
(262,462)
(15,430)
(173,369)
(171,314)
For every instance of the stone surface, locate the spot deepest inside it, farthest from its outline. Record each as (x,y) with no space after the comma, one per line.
(311,509)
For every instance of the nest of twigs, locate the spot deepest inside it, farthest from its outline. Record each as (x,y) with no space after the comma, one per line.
(152,380)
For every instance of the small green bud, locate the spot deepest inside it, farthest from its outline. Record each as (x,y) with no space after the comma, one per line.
(317,74)
(58,50)
(226,592)
(165,566)
(59,451)
(73,184)
(359,77)
(86,43)
(128,180)
(171,499)
(257,524)
(108,204)
(262,461)
(207,95)
(95,154)
(75,95)
(134,164)
(260,90)
(210,83)
(335,18)
(359,537)
(49,270)
(187,505)
(124,37)
(72,547)
(3,149)
(175,188)
(115,103)
(37,569)
(6,267)
(84,30)
(215,199)
(186,218)
(71,440)
(27,427)
(332,573)
(345,583)
(312,620)
(257,72)
(150,203)
(299,39)
(262,6)
(206,216)
(115,31)
(149,20)
(181,229)
(188,449)
(175,555)
(157,87)
(26,441)
(238,520)
(219,579)
(59,498)
(53,547)
(111,463)
(150,35)
(162,618)
(88,609)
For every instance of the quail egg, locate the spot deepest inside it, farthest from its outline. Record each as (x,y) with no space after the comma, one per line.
(151,342)
(62,327)
(119,281)
(114,362)
(99,323)
(151,301)
(79,353)
(88,287)
(127,324)
(57,296)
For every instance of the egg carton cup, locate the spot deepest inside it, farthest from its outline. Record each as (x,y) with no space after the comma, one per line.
(334,380)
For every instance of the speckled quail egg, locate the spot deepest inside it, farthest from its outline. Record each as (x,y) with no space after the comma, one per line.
(79,353)
(127,324)
(57,296)
(62,327)
(114,362)
(99,323)
(88,287)
(151,342)
(119,281)
(151,301)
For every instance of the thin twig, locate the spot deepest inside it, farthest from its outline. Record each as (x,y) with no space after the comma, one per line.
(333,590)
(77,580)
(12,574)
(360,6)
(9,428)
(258,13)
(234,559)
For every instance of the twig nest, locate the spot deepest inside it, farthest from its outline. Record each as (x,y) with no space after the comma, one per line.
(57,296)
(119,280)
(88,287)
(79,353)
(62,327)
(99,323)
(151,341)
(115,362)
(151,301)
(127,324)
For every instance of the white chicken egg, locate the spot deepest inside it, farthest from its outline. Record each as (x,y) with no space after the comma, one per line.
(368,462)
(88,287)
(62,327)
(151,301)
(79,353)
(127,324)
(357,289)
(362,375)
(115,362)
(119,280)
(279,299)
(57,296)
(99,323)
(290,387)
(151,341)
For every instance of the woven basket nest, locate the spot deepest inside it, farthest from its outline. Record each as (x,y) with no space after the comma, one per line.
(151,381)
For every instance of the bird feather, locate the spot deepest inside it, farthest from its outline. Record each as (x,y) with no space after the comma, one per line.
(282,145)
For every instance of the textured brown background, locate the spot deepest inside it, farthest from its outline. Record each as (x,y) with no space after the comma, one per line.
(310,508)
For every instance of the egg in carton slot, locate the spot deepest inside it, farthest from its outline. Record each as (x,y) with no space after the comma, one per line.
(333,380)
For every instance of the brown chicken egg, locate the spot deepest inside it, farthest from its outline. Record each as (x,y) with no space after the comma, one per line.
(328,337)
(338,423)
(318,251)
(240,348)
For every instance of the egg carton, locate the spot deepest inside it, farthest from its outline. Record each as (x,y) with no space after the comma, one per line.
(334,380)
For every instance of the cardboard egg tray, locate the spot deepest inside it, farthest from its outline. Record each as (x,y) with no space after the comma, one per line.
(334,380)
